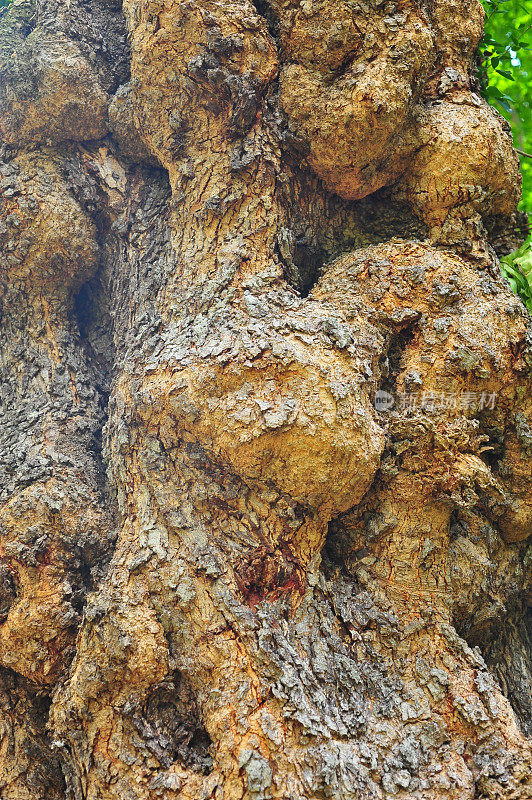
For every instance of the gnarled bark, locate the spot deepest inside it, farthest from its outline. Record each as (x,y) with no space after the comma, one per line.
(227,229)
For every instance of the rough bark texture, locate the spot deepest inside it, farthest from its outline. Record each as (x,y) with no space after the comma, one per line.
(225,574)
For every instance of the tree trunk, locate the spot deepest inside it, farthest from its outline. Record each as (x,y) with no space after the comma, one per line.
(266,407)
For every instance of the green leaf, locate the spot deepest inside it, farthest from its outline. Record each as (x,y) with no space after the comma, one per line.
(517,268)
(505,74)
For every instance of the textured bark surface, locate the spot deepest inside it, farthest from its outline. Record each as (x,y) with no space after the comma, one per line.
(225,571)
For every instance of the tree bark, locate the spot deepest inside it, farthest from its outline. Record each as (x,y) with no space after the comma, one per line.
(266,407)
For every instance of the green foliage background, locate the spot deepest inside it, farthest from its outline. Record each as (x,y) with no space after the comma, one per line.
(506,82)
(506,74)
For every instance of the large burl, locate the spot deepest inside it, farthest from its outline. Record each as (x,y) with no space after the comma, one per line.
(386,98)
(293,571)
(282,409)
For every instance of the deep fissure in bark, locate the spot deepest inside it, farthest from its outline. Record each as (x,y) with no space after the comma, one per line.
(170,724)
(29,762)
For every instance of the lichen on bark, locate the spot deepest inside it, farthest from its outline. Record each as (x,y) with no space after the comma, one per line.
(225,572)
